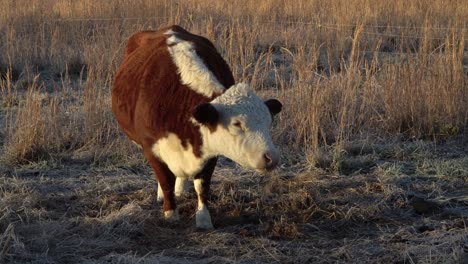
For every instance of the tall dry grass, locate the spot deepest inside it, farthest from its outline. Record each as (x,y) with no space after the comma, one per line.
(344,70)
(43,125)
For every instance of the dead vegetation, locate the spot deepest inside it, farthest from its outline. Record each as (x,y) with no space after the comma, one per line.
(400,211)
(373,135)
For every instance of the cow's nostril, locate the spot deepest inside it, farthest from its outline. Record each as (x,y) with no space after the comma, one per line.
(267,158)
(271,159)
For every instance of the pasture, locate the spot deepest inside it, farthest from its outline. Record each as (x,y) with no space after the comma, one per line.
(373,135)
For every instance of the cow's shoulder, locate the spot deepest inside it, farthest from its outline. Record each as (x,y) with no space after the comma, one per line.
(186,49)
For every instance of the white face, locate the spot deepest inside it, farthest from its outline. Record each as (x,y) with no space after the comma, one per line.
(243,130)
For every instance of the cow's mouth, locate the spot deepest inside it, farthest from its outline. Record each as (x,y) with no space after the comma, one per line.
(263,171)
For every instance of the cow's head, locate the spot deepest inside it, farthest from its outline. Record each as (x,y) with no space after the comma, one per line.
(237,125)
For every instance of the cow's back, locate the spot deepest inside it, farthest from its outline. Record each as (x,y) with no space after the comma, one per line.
(149,99)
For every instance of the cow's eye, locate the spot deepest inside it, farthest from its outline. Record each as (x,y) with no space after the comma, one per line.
(237,124)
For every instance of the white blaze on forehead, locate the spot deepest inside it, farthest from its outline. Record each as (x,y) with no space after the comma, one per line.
(240,100)
(193,71)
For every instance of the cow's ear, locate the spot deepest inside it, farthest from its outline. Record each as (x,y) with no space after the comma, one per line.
(274,106)
(206,114)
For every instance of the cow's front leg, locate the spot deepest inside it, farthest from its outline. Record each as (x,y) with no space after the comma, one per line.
(202,186)
(166,183)
(203,218)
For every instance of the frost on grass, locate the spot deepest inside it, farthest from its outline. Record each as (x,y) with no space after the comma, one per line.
(296,214)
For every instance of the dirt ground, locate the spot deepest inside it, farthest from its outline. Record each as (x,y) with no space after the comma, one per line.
(399,202)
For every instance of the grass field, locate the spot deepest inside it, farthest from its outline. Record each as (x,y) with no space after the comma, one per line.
(373,134)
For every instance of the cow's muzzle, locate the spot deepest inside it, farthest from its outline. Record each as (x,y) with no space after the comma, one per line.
(271,159)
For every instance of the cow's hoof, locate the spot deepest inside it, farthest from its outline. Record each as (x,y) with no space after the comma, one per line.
(171,215)
(203,219)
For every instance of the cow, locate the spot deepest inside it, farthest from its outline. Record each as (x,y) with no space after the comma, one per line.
(175,97)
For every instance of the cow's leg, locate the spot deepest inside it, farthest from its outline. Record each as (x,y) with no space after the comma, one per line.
(180,186)
(160,194)
(166,182)
(202,187)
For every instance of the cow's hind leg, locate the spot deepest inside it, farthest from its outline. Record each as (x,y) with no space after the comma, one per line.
(160,194)
(166,183)
(179,189)
(180,186)
(202,187)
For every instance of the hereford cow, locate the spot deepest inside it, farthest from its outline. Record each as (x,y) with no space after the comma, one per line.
(175,97)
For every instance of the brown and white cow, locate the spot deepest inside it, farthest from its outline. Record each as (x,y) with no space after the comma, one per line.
(175,96)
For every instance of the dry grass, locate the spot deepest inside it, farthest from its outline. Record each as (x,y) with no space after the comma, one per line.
(77,214)
(362,83)
(382,69)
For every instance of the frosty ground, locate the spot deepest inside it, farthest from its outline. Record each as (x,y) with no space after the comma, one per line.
(399,202)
